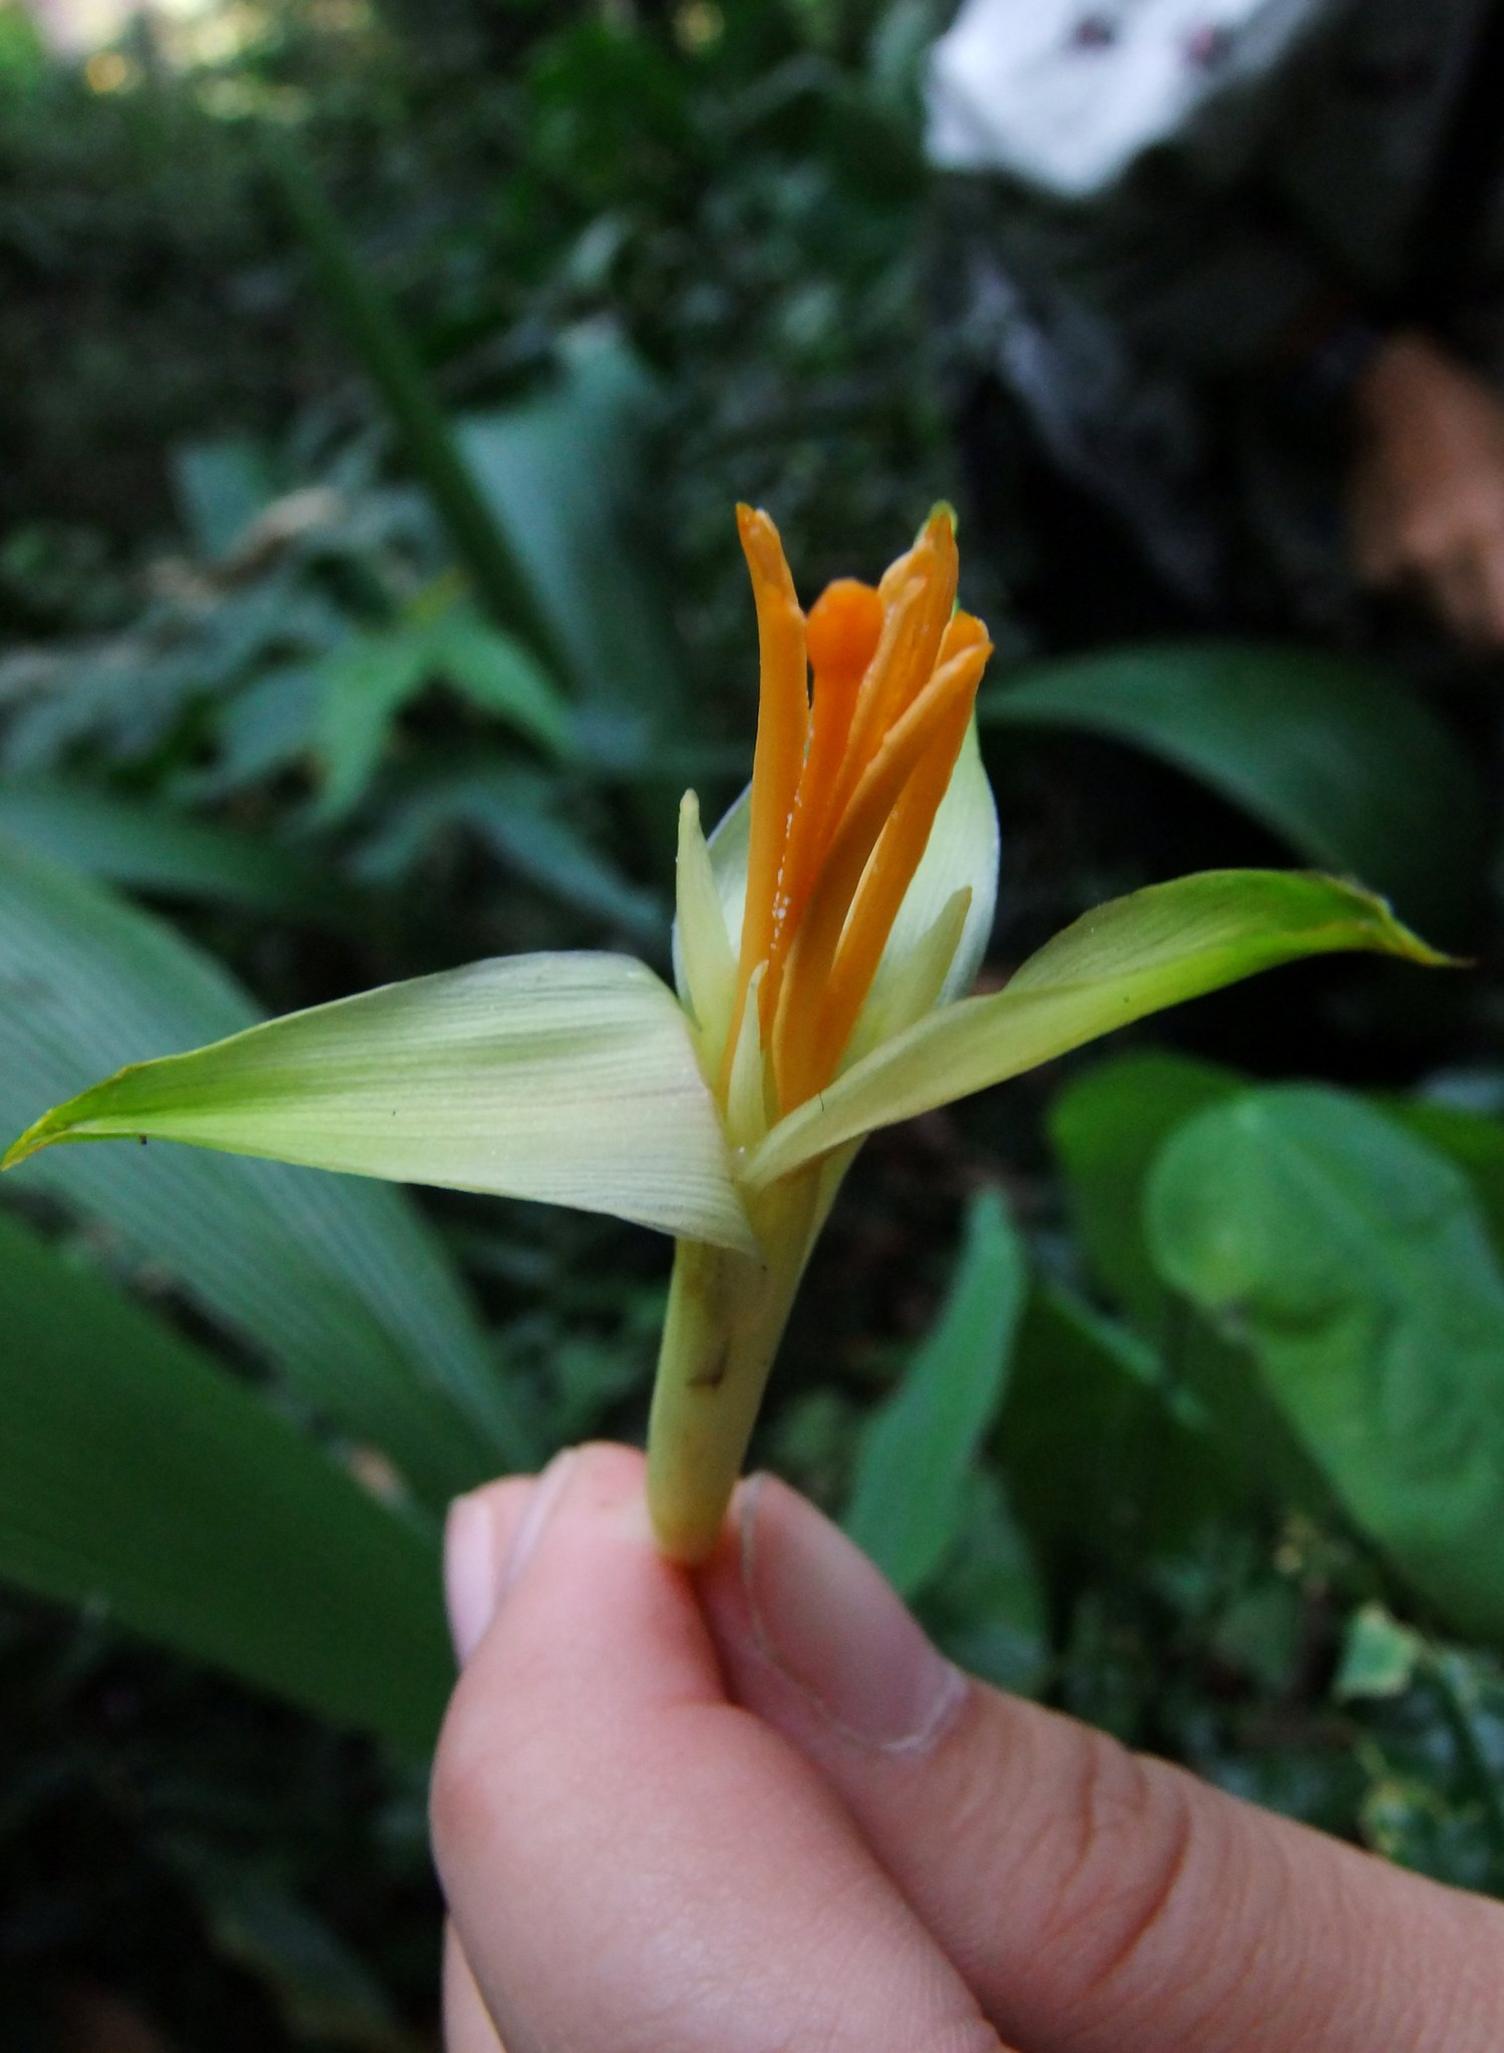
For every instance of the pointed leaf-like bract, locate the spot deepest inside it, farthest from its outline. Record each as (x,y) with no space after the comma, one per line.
(1133,956)
(570,1079)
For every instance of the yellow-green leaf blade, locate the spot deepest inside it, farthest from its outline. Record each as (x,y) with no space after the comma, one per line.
(1133,956)
(569,1079)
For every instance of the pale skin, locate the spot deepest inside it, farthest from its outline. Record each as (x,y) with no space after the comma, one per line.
(1427,487)
(752,1810)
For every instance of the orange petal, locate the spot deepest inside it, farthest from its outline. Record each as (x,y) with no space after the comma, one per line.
(782,721)
(887,684)
(845,624)
(962,631)
(797,1054)
(886,879)
(892,685)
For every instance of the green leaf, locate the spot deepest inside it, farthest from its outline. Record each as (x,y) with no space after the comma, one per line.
(265,727)
(365,684)
(986,1605)
(149,848)
(1379,1656)
(1133,956)
(1107,1127)
(524,820)
(918,1447)
(222,486)
(137,1479)
(1337,757)
(499,677)
(1351,1262)
(569,1079)
(565,476)
(362,686)
(338,1284)
(1101,1455)
(1471,1140)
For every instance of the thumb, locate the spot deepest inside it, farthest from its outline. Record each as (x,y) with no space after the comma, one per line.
(1094,1900)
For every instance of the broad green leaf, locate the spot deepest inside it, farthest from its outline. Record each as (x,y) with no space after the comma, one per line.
(1471,1140)
(565,476)
(138,1480)
(337,1284)
(1133,956)
(569,1079)
(916,1452)
(143,845)
(1351,1261)
(1107,1127)
(1109,1124)
(1100,1453)
(1337,757)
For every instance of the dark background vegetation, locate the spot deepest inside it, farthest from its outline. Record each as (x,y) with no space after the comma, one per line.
(340,646)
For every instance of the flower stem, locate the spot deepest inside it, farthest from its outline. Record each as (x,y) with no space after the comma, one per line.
(726,1315)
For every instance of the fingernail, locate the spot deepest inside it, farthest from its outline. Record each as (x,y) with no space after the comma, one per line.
(547,1491)
(836,1628)
(469,1572)
(475,1580)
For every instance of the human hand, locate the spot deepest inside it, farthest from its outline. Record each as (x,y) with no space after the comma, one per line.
(754,1811)
(1427,486)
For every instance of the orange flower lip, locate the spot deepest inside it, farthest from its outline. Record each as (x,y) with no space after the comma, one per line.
(845,787)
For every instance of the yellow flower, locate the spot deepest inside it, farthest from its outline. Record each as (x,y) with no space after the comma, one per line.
(825,939)
(845,790)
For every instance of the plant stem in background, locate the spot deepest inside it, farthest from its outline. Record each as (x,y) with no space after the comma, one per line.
(395,369)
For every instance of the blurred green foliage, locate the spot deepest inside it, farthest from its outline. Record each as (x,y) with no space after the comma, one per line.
(369,595)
